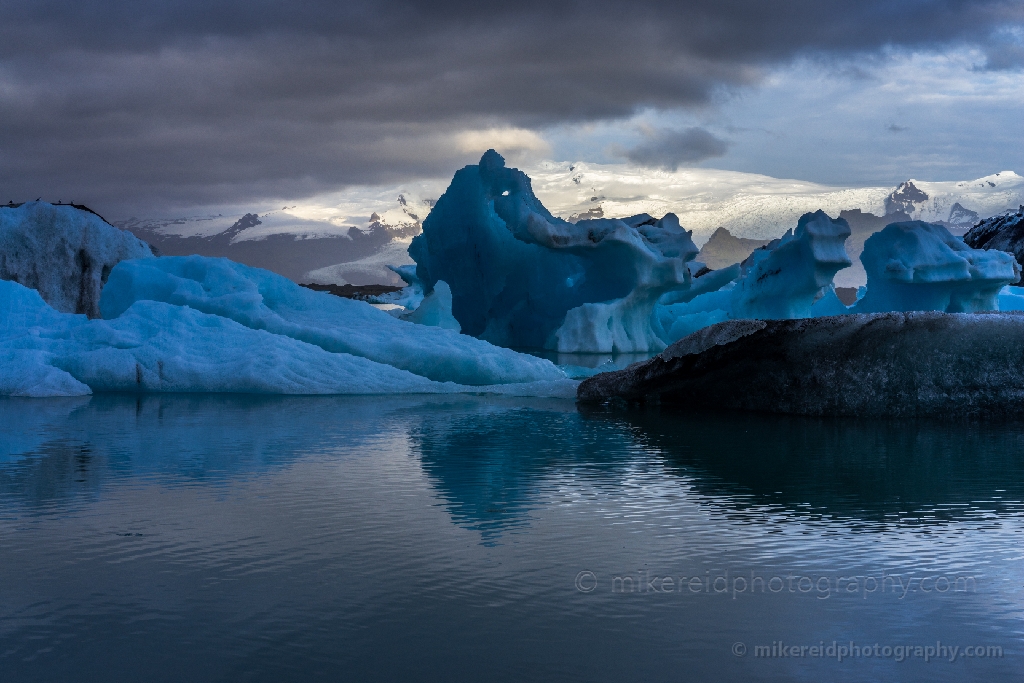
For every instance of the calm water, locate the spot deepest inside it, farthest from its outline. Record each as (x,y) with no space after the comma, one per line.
(471,539)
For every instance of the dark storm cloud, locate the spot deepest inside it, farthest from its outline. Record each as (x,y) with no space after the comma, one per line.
(668,149)
(1005,50)
(128,102)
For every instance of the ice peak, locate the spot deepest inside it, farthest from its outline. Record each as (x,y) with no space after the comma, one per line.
(491,161)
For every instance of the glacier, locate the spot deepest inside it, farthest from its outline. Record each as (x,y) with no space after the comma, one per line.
(63,252)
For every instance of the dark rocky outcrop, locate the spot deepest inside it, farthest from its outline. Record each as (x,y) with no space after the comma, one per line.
(291,255)
(1003,233)
(359,292)
(904,198)
(724,249)
(884,364)
(961,217)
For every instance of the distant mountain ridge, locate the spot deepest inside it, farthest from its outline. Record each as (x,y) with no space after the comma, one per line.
(748,210)
(723,249)
(293,255)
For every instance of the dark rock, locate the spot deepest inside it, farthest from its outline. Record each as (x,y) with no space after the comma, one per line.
(904,198)
(1003,233)
(848,295)
(360,292)
(883,364)
(724,249)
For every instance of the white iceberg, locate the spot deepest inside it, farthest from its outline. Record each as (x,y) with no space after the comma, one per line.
(64,252)
(435,310)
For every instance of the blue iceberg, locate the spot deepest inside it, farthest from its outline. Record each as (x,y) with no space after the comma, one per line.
(158,347)
(790,277)
(917,266)
(261,300)
(521,277)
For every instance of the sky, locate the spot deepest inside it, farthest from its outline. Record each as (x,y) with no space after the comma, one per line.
(143,106)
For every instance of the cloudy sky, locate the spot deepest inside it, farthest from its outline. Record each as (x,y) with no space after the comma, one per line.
(135,106)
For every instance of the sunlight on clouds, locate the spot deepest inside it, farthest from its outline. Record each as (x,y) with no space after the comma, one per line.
(514,141)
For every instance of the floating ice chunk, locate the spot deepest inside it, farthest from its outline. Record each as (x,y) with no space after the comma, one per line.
(63,252)
(408,297)
(158,347)
(784,279)
(790,277)
(1011,299)
(620,326)
(27,373)
(516,271)
(917,266)
(435,310)
(262,300)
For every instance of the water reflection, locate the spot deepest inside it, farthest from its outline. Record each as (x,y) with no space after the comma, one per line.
(905,471)
(489,460)
(246,538)
(56,449)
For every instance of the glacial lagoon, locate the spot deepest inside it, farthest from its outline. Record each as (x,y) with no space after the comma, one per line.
(469,538)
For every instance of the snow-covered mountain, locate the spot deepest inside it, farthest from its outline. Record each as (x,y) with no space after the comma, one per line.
(960,203)
(755,206)
(352,235)
(291,244)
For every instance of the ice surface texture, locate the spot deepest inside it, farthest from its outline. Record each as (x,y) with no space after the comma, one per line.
(917,266)
(522,278)
(861,364)
(435,310)
(159,347)
(788,278)
(261,300)
(63,252)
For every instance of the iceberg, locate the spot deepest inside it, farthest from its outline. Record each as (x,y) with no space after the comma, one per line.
(917,266)
(159,347)
(785,278)
(790,277)
(261,300)
(64,252)
(521,277)
(435,310)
